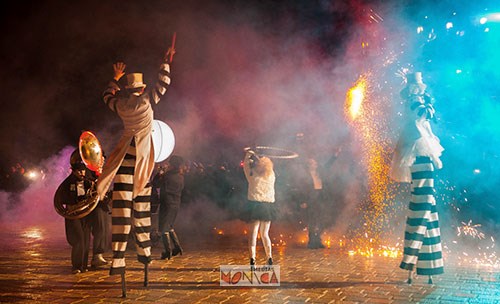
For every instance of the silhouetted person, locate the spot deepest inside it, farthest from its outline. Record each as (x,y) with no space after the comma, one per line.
(171,185)
(316,198)
(69,193)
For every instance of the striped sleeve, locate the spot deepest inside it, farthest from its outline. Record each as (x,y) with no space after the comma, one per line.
(163,82)
(109,95)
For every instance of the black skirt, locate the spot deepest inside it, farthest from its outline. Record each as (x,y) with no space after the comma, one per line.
(257,211)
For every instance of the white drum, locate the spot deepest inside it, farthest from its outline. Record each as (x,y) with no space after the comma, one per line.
(163,140)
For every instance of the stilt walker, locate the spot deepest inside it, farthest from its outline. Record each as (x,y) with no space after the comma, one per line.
(416,157)
(131,164)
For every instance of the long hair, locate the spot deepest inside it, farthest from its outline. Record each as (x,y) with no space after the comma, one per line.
(264,167)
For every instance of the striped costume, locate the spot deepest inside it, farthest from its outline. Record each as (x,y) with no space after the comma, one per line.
(130,166)
(422,246)
(124,207)
(416,156)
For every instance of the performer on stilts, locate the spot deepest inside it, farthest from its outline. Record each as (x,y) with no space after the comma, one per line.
(131,163)
(416,156)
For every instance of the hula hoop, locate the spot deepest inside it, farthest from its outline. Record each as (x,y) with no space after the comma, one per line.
(280,153)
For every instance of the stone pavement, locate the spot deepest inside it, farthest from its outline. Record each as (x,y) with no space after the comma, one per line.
(35,268)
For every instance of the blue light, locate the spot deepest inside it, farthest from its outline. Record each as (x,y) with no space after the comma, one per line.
(449,25)
(483,20)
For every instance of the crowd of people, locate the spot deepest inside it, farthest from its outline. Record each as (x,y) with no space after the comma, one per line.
(178,182)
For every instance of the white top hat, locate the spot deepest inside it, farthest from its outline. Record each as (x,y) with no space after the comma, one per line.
(134,81)
(414,84)
(414,78)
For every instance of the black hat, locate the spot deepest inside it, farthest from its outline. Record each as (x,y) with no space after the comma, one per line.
(75,161)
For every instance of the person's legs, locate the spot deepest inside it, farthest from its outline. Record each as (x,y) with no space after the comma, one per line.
(98,222)
(313,222)
(266,240)
(122,210)
(422,246)
(164,230)
(253,230)
(430,258)
(172,210)
(75,238)
(142,224)
(177,244)
(86,243)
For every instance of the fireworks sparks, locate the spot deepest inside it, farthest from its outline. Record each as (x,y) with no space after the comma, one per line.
(470,230)
(355,97)
(368,249)
(366,109)
(472,247)
(366,114)
(281,241)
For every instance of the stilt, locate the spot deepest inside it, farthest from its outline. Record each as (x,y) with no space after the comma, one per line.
(145,275)
(124,286)
(430,280)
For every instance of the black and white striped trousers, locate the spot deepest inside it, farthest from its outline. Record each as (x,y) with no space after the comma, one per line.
(422,245)
(128,210)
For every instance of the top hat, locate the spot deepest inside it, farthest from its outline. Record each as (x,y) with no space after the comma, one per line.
(414,78)
(134,81)
(414,82)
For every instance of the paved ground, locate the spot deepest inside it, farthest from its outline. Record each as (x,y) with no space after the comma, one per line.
(34,268)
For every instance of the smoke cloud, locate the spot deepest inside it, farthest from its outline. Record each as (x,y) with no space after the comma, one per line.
(249,74)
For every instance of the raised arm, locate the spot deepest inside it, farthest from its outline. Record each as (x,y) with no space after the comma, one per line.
(249,161)
(109,95)
(163,82)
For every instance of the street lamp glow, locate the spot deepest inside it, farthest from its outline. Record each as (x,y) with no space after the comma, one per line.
(32,175)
